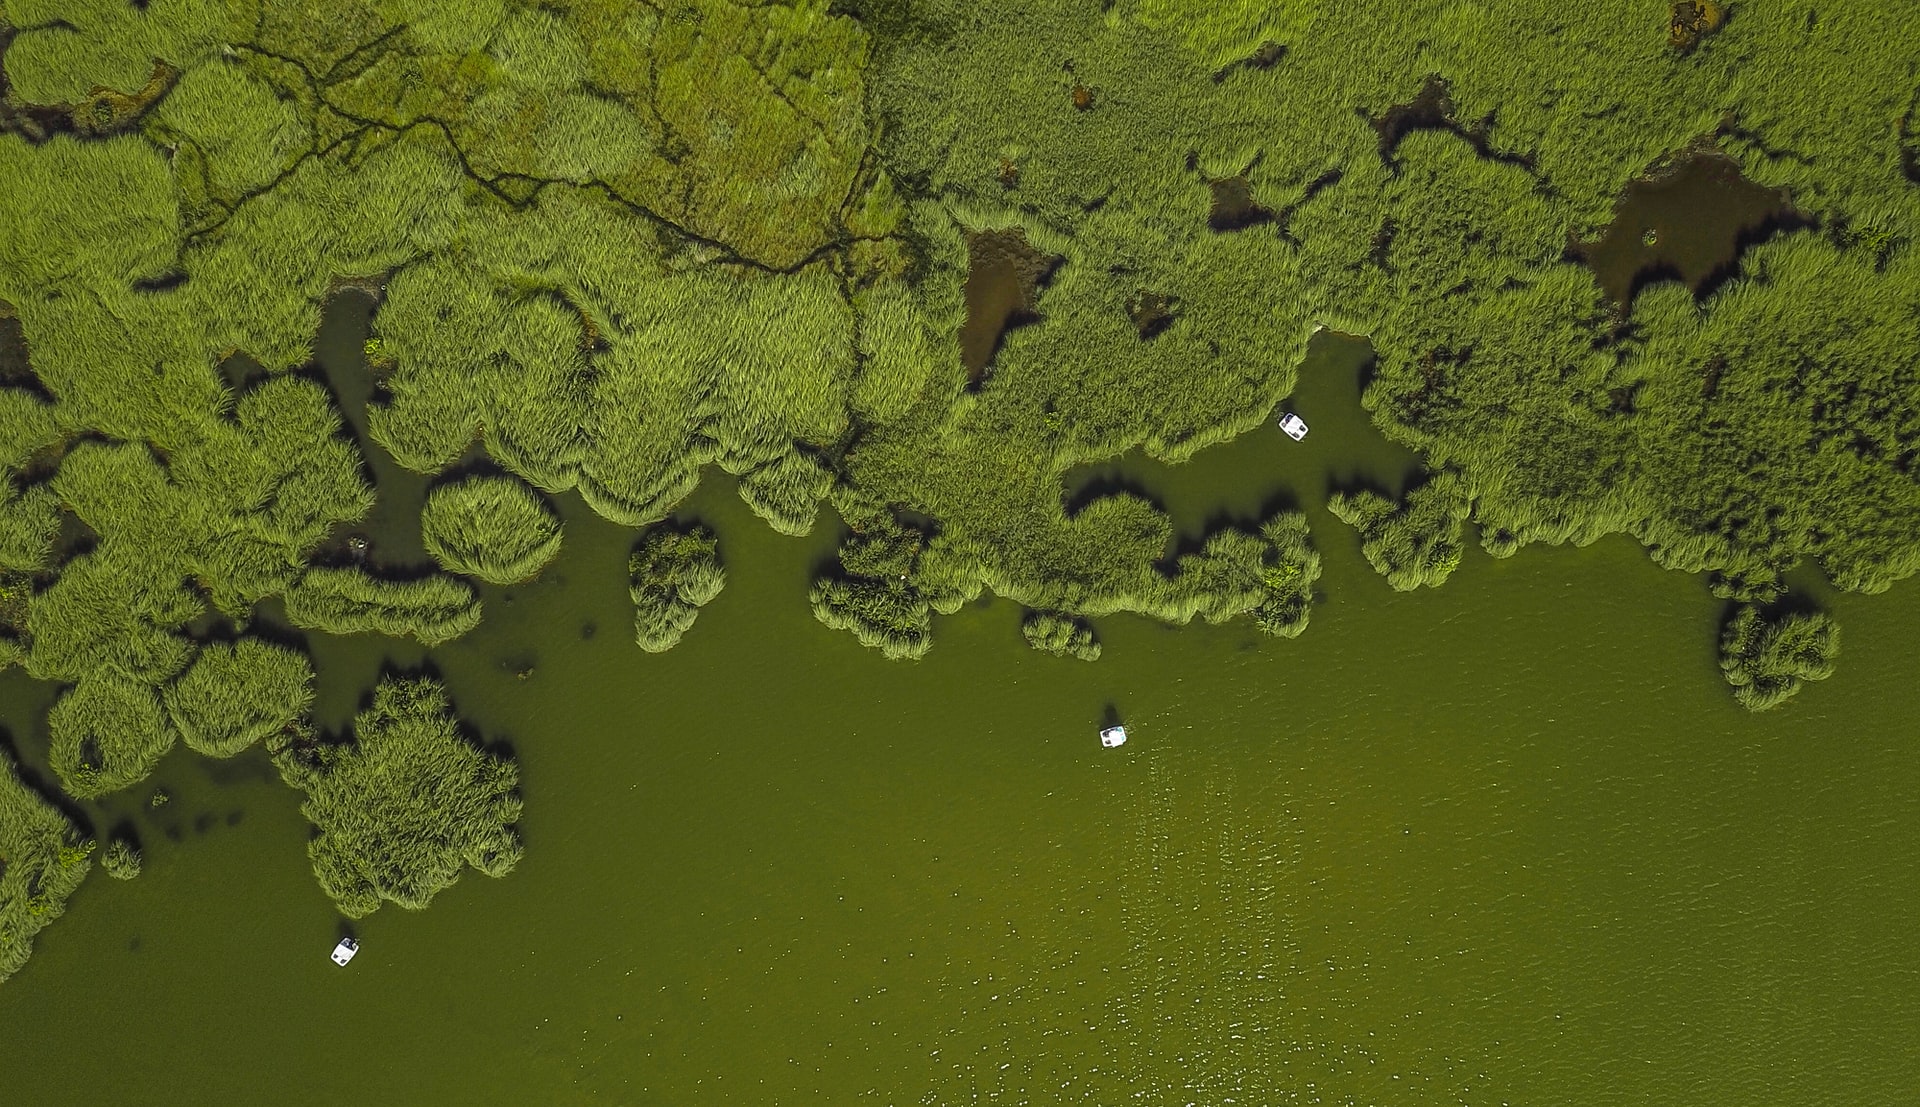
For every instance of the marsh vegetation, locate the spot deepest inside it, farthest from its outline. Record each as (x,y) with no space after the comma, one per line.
(615,247)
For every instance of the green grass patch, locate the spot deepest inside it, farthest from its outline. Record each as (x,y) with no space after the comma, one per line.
(348,600)
(672,573)
(1766,659)
(43,858)
(237,694)
(493,528)
(406,806)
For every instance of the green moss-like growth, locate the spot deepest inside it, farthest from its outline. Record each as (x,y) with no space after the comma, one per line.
(432,610)
(406,805)
(121,859)
(1766,660)
(235,695)
(1415,542)
(107,732)
(494,528)
(43,859)
(672,573)
(1061,635)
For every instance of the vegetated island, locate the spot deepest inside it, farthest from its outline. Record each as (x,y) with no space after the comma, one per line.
(615,245)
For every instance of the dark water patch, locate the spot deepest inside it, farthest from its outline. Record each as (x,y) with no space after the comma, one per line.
(1432,109)
(1265,57)
(588,630)
(1152,313)
(234,817)
(1689,221)
(1234,208)
(15,369)
(204,821)
(1005,274)
(241,371)
(162,282)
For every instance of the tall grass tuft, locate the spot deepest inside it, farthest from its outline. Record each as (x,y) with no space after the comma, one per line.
(1060,635)
(121,859)
(490,527)
(1765,660)
(406,805)
(234,695)
(339,600)
(1415,542)
(43,858)
(672,573)
(107,733)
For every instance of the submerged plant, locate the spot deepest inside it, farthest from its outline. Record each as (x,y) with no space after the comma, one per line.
(672,573)
(406,805)
(1765,660)
(494,528)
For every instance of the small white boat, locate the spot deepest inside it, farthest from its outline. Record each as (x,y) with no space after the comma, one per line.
(1113,736)
(1295,426)
(344,952)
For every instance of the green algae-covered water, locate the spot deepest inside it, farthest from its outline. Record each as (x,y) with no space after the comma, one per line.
(1508,841)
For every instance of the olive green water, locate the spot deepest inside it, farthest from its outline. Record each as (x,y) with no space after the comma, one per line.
(1504,842)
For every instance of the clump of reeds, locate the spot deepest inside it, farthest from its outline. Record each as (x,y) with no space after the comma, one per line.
(787,492)
(492,527)
(43,858)
(1414,542)
(1766,659)
(121,859)
(106,733)
(1060,635)
(406,805)
(672,573)
(234,695)
(347,600)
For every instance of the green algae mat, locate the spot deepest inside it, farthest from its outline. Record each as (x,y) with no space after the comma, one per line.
(636,512)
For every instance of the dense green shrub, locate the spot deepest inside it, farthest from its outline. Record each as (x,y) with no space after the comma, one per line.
(1414,542)
(345,600)
(1765,660)
(494,528)
(672,573)
(107,733)
(1060,635)
(43,859)
(406,805)
(121,859)
(234,695)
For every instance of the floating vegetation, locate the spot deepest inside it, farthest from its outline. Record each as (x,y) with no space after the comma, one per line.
(1766,660)
(1060,635)
(491,527)
(672,573)
(43,858)
(406,805)
(234,695)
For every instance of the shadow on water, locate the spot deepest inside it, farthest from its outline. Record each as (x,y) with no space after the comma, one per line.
(1689,221)
(1005,274)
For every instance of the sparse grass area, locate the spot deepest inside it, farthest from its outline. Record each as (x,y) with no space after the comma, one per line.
(405,806)
(493,528)
(1060,635)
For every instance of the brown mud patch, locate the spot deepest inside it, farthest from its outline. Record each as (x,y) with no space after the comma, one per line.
(1689,221)
(1005,274)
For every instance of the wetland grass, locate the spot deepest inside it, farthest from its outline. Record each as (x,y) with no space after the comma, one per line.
(236,694)
(1060,635)
(672,573)
(1766,659)
(490,527)
(43,858)
(405,806)
(348,600)
(121,859)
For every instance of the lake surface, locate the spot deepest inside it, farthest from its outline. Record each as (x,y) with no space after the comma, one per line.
(1507,841)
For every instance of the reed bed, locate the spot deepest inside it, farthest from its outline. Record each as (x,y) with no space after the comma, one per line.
(236,694)
(1060,635)
(405,806)
(107,733)
(45,859)
(1767,659)
(348,600)
(490,527)
(672,573)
